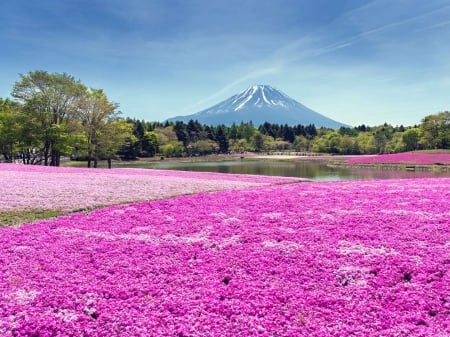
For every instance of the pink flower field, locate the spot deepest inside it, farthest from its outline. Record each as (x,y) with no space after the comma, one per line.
(354,258)
(68,189)
(414,158)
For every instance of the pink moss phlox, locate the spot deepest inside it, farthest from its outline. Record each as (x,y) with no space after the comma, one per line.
(38,187)
(357,258)
(413,158)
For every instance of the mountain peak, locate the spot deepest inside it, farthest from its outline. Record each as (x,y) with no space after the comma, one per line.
(260,103)
(259,96)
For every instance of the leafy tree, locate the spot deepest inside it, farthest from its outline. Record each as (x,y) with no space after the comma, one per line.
(51,100)
(173,149)
(115,133)
(10,128)
(258,142)
(240,145)
(301,143)
(222,140)
(436,131)
(234,132)
(328,142)
(411,139)
(381,136)
(204,147)
(366,143)
(395,143)
(96,112)
(128,151)
(346,145)
(181,133)
(150,144)
(247,131)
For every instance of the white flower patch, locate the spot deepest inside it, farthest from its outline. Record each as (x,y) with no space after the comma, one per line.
(219,215)
(21,248)
(66,315)
(287,230)
(202,236)
(327,217)
(110,236)
(347,248)
(351,276)
(23,296)
(232,240)
(417,259)
(170,219)
(139,237)
(285,246)
(140,229)
(231,220)
(272,215)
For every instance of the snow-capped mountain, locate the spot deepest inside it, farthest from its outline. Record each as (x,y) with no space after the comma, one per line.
(259,104)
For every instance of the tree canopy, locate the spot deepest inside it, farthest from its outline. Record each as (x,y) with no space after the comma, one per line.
(53,115)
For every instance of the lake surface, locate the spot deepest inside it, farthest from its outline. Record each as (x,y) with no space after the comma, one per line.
(314,169)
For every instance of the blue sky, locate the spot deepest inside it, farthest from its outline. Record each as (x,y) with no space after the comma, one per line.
(356,61)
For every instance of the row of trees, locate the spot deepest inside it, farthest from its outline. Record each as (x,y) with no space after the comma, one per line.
(193,138)
(55,115)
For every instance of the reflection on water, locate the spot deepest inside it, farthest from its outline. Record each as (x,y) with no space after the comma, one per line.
(315,170)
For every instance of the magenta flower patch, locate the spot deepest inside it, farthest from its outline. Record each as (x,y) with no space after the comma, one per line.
(356,258)
(413,158)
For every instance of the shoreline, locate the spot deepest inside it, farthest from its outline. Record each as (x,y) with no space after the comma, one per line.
(330,160)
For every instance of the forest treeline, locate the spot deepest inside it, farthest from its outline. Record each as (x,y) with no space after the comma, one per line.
(192,138)
(54,116)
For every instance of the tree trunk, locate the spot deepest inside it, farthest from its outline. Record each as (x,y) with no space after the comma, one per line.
(7,158)
(56,158)
(46,155)
(89,159)
(109,163)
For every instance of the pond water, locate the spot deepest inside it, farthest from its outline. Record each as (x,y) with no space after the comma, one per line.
(313,169)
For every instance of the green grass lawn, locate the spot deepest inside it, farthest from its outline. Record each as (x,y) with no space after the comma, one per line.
(15,218)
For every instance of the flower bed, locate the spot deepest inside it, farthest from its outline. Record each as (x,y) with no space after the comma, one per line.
(313,259)
(27,187)
(413,158)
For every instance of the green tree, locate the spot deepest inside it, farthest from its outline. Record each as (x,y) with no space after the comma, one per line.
(96,113)
(381,136)
(258,142)
(51,100)
(301,144)
(204,147)
(240,145)
(395,143)
(173,149)
(115,133)
(411,139)
(366,143)
(222,139)
(435,131)
(346,145)
(10,129)
(150,144)
(328,142)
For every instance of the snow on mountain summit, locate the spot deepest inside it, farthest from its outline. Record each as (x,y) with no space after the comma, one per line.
(258,96)
(259,104)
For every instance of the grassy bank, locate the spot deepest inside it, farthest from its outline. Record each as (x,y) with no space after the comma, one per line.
(15,218)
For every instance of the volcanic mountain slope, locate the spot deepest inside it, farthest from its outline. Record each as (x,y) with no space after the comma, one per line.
(259,104)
